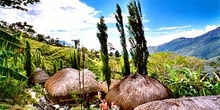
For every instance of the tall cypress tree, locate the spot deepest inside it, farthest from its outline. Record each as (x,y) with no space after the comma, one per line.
(139,49)
(28,61)
(120,27)
(103,36)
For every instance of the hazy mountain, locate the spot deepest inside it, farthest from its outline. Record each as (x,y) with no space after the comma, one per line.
(204,46)
(62,42)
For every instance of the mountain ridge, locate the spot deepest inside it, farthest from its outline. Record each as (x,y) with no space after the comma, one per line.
(204,46)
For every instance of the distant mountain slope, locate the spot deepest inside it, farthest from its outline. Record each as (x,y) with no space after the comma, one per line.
(62,42)
(204,46)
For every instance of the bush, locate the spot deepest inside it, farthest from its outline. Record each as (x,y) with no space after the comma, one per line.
(4,106)
(13,92)
(39,90)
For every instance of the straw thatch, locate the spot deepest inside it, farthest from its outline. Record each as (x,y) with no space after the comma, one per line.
(104,85)
(187,103)
(88,73)
(66,81)
(39,76)
(136,89)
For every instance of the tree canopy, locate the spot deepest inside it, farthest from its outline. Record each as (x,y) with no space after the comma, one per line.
(139,51)
(120,27)
(103,37)
(17,4)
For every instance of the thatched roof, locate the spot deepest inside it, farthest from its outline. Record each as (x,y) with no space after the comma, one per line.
(66,81)
(39,76)
(88,73)
(104,86)
(136,89)
(187,103)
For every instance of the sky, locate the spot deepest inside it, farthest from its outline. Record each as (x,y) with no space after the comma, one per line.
(164,20)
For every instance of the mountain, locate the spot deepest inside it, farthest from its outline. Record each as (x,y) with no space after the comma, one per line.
(204,46)
(62,42)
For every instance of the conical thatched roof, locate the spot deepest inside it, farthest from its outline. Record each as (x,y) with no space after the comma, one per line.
(66,81)
(136,89)
(88,73)
(187,103)
(104,86)
(39,76)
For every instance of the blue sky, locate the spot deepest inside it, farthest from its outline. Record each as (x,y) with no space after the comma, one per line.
(162,13)
(164,20)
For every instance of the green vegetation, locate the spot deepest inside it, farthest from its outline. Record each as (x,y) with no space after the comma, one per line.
(103,37)
(21,53)
(120,27)
(18,4)
(138,51)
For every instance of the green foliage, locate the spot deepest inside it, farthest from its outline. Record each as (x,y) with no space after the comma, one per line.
(120,27)
(13,92)
(10,42)
(157,62)
(74,60)
(138,51)
(37,58)
(5,106)
(183,75)
(28,62)
(5,71)
(39,90)
(212,66)
(17,4)
(184,82)
(10,46)
(61,64)
(54,67)
(102,36)
(76,98)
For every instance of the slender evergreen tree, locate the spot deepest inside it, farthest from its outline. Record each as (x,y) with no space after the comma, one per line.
(120,27)
(28,61)
(74,60)
(103,36)
(139,51)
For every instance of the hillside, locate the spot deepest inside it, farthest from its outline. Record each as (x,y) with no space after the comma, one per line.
(205,46)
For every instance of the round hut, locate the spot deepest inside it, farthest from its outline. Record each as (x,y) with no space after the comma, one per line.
(104,85)
(39,76)
(88,73)
(66,81)
(186,103)
(136,89)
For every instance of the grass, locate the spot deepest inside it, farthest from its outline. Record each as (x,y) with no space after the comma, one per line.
(78,108)
(4,106)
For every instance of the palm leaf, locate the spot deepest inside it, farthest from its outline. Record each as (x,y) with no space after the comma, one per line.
(5,71)
(10,42)
(5,54)
(2,78)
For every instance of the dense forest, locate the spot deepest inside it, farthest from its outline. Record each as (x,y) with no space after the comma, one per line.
(23,51)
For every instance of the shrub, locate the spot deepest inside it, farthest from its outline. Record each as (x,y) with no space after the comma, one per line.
(13,92)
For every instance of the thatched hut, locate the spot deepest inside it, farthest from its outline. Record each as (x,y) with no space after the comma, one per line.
(39,76)
(66,81)
(88,73)
(187,103)
(104,85)
(136,89)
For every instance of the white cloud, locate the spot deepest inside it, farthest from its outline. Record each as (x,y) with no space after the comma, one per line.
(172,28)
(67,20)
(73,19)
(146,29)
(160,39)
